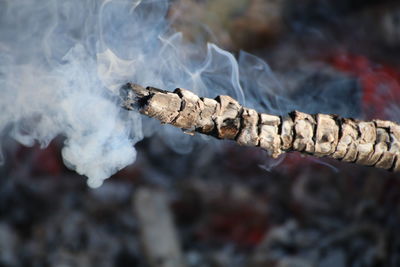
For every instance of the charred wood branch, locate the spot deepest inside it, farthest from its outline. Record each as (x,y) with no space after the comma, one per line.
(375,143)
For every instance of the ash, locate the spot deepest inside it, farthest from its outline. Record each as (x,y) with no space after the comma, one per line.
(226,210)
(225,205)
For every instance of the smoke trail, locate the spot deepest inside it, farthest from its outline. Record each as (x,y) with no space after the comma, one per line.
(62,62)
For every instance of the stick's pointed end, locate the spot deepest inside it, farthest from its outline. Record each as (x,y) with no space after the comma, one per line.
(130,95)
(135,96)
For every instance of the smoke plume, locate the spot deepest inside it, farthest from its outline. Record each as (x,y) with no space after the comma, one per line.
(63,61)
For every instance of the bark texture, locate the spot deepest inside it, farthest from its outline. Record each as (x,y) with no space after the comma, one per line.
(374,143)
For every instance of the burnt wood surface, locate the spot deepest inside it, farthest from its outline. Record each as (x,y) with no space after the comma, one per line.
(374,143)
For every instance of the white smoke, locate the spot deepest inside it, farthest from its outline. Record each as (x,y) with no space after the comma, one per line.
(62,62)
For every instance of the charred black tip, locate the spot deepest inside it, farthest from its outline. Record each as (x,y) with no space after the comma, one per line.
(135,96)
(129,94)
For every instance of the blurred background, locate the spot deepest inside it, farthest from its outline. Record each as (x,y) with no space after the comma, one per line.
(227,205)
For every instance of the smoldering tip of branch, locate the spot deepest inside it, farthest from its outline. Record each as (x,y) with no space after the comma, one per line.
(132,95)
(135,96)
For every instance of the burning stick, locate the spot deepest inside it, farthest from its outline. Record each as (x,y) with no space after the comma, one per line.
(374,143)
